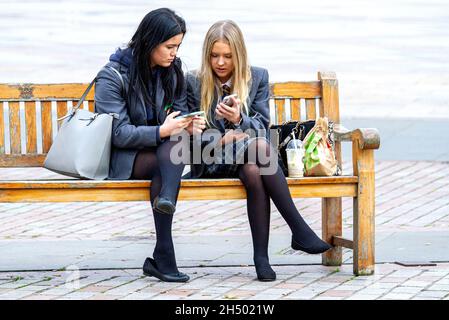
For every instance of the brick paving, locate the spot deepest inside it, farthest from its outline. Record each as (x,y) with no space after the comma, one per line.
(410,196)
(228,283)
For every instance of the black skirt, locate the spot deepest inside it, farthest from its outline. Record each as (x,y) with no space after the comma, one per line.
(228,162)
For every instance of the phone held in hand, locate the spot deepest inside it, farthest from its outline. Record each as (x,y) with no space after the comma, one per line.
(227,101)
(191,115)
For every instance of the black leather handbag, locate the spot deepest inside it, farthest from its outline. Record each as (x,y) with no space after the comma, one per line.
(284,135)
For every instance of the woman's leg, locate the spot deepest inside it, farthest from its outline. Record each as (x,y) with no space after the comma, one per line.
(146,166)
(171,173)
(258,204)
(277,188)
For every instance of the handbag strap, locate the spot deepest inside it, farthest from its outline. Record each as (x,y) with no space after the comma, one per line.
(292,133)
(119,76)
(86,92)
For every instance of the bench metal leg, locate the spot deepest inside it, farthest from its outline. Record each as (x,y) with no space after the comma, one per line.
(364,211)
(331,210)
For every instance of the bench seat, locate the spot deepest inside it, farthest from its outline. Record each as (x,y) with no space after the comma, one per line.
(138,190)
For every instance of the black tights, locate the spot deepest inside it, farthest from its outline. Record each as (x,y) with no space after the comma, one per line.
(149,164)
(260,188)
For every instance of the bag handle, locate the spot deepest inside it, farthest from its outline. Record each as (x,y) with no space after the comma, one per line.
(83,97)
(86,92)
(292,133)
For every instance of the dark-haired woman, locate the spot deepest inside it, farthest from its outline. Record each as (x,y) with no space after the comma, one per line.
(144,84)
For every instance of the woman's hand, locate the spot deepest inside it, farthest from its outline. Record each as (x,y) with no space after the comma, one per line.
(197,125)
(172,126)
(233,136)
(231,113)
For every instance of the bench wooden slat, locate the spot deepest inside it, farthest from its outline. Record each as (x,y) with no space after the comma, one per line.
(61,110)
(44,91)
(342,242)
(30,117)
(22,160)
(280,110)
(47,136)
(71,184)
(143,193)
(308,90)
(204,189)
(310,109)
(91,106)
(295,109)
(2,130)
(14,127)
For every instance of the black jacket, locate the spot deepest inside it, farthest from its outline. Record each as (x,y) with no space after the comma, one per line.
(258,105)
(131,132)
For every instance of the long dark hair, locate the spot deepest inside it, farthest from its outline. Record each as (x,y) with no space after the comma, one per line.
(156,27)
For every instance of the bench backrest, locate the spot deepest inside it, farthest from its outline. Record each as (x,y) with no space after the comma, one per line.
(29,112)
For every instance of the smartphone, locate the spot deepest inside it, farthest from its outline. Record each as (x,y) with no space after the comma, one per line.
(190,115)
(227,100)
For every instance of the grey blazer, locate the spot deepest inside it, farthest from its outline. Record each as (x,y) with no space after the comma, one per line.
(131,132)
(258,105)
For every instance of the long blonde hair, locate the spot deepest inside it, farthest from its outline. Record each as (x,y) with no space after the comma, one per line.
(228,32)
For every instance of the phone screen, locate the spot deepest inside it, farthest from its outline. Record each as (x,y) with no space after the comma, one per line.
(227,100)
(193,114)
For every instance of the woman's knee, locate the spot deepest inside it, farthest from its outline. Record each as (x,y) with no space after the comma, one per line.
(260,152)
(250,176)
(145,165)
(176,152)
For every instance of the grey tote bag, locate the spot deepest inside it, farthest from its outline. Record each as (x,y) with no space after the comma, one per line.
(82,146)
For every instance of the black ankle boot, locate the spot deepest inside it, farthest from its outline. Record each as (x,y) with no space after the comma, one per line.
(317,246)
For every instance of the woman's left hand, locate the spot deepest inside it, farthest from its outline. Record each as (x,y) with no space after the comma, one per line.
(231,113)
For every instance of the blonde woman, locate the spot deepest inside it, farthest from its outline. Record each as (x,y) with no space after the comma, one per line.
(225,69)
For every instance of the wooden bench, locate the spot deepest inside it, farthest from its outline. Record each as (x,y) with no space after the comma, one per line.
(28,126)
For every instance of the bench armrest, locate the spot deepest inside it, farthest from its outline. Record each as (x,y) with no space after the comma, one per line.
(368,138)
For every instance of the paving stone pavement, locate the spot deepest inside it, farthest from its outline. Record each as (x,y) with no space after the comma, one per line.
(412,197)
(390,282)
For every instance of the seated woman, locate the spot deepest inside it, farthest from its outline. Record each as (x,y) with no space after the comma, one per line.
(225,69)
(145,86)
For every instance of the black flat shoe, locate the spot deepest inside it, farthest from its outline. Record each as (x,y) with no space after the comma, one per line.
(264,277)
(164,205)
(150,269)
(264,271)
(319,247)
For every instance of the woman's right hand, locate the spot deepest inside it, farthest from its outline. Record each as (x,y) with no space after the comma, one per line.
(197,125)
(172,126)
